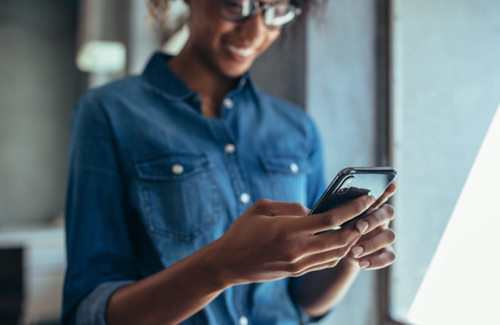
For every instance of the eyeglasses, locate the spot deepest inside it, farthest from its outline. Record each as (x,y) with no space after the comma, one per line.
(276,14)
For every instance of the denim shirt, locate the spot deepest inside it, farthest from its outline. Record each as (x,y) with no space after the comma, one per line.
(152,181)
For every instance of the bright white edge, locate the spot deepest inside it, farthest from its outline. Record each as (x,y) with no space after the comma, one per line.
(462,284)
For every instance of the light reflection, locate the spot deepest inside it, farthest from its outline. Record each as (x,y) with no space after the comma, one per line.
(462,284)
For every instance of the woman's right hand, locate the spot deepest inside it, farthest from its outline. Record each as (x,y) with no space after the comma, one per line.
(273,240)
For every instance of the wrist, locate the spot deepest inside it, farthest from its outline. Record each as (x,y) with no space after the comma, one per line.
(212,262)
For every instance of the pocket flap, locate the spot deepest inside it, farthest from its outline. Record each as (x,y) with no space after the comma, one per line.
(285,164)
(175,166)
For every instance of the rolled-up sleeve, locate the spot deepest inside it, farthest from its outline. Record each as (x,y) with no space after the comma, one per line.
(99,251)
(92,309)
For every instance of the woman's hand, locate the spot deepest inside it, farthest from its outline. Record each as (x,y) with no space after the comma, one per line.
(374,249)
(273,240)
(322,290)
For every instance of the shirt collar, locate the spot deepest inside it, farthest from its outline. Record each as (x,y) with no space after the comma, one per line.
(159,74)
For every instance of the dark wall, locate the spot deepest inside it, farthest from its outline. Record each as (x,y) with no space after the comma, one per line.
(39,85)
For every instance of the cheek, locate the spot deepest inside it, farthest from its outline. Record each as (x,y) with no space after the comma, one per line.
(207,34)
(204,22)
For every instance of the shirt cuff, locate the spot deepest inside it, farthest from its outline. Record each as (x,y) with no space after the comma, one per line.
(92,309)
(305,319)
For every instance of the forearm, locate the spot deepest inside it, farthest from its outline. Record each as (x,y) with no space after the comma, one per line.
(170,296)
(322,290)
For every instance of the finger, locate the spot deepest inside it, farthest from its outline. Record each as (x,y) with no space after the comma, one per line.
(314,268)
(347,236)
(367,247)
(311,261)
(373,233)
(276,208)
(335,217)
(331,240)
(390,190)
(325,264)
(377,218)
(378,260)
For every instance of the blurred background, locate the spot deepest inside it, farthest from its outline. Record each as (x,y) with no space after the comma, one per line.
(409,83)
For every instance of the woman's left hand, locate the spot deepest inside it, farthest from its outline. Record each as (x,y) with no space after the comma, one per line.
(374,249)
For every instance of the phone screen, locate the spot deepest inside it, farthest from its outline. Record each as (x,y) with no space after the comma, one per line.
(352,183)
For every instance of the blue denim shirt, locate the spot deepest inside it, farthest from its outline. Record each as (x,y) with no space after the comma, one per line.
(152,181)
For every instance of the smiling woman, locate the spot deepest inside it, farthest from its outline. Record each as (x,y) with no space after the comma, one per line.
(189,185)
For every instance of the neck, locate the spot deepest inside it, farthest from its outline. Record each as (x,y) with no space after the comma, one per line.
(191,68)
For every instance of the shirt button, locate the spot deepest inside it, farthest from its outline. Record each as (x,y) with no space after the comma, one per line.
(245,198)
(243,320)
(243,81)
(229,148)
(228,103)
(294,168)
(177,169)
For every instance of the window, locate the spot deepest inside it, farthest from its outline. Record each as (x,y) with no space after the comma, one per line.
(446,145)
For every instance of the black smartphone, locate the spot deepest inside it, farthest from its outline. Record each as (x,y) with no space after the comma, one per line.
(351,183)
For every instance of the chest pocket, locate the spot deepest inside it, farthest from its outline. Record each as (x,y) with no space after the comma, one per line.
(287,175)
(178,195)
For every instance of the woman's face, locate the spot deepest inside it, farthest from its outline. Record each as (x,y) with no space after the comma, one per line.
(227,47)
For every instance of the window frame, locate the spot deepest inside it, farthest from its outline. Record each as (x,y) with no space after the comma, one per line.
(383,46)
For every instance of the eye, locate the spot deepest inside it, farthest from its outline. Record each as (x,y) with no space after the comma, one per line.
(281,9)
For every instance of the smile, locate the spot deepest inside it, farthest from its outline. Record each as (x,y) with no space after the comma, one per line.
(242,52)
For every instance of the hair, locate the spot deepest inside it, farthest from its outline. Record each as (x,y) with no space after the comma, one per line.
(158,10)
(159,7)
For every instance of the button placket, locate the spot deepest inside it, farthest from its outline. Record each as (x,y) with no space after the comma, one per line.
(223,136)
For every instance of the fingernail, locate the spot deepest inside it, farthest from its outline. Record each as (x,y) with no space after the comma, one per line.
(370,210)
(362,226)
(357,250)
(370,199)
(364,264)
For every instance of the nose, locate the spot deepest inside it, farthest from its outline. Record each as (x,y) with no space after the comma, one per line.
(253,29)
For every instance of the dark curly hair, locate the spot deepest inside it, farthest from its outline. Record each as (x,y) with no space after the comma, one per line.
(158,10)
(159,7)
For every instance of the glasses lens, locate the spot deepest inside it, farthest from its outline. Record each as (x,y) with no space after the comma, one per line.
(279,14)
(237,9)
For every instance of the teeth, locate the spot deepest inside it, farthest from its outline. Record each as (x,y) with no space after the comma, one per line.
(240,51)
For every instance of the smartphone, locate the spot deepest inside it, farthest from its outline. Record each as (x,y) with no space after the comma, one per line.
(351,183)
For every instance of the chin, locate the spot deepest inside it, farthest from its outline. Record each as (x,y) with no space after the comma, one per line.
(232,70)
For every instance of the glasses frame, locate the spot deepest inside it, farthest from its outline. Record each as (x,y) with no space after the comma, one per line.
(265,6)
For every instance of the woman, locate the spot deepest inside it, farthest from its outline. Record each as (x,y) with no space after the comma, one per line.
(169,211)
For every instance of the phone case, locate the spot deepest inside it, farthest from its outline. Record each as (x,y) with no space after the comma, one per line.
(351,183)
